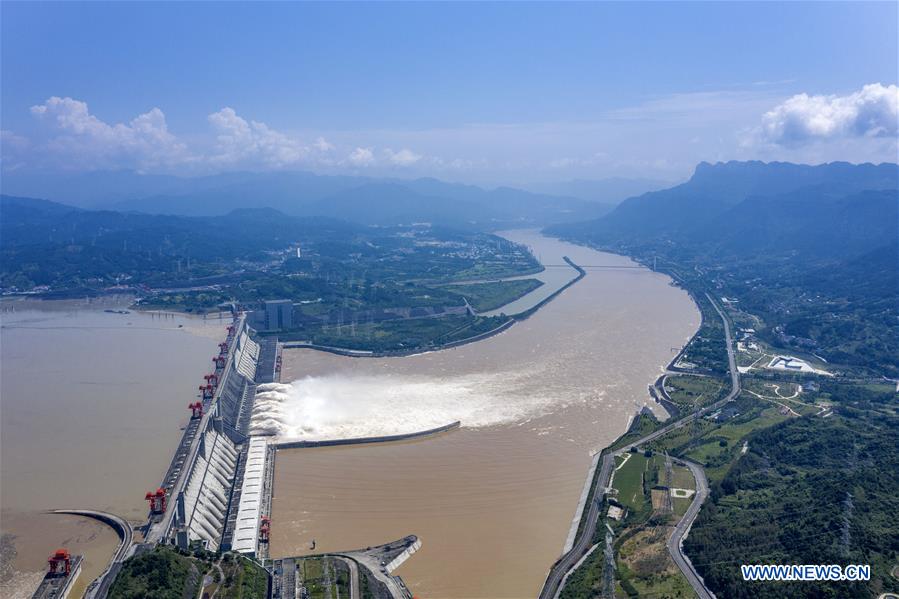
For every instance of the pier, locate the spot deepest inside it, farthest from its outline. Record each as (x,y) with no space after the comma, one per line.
(61,576)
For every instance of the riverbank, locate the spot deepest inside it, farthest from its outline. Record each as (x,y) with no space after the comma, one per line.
(494,499)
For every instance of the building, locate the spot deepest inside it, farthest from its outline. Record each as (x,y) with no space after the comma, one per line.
(278,315)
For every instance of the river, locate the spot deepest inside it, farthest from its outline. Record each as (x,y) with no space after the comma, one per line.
(92,405)
(492,502)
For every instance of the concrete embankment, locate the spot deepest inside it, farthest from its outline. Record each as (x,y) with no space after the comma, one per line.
(99,588)
(581,273)
(364,440)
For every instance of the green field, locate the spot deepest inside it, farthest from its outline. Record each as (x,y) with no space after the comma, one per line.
(629,482)
(484,297)
(692,392)
(398,335)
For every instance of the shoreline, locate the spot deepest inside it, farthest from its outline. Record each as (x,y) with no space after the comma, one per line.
(513,319)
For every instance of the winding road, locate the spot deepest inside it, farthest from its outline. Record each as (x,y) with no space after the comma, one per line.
(552,587)
(676,540)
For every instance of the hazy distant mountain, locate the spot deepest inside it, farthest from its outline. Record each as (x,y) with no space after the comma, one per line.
(608,191)
(810,250)
(389,204)
(753,204)
(33,223)
(360,199)
(429,200)
(289,192)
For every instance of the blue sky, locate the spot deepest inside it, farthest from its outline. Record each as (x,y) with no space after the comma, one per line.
(486,93)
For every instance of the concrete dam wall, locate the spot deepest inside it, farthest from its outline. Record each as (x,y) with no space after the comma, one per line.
(217,459)
(364,440)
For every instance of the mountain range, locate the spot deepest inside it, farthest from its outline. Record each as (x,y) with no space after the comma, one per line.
(364,200)
(740,207)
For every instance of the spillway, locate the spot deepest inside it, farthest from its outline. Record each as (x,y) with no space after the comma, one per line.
(217,483)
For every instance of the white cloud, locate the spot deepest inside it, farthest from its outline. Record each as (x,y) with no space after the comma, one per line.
(87,141)
(404,157)
(322,145)
(245,142)
(870,112)
(361,157)
(12,149)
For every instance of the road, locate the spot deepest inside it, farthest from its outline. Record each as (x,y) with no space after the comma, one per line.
(676,540)
(582,544)
(354,577)
(553,584)
(100,587)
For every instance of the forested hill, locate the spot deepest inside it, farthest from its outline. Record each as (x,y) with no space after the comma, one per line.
(810,250)
(779,200)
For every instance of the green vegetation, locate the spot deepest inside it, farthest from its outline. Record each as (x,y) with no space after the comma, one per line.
(646,569)
(385,288)
(324,577)
(706,351)
(161,574)
(692,392)
(244,579)
(629,481)
(810,252)
(809,491)
(806,258)
(167,573)
(398,335)
(642,563)
(484,297)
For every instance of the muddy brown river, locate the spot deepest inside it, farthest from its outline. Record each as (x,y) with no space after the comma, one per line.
(91,405)
(493,501)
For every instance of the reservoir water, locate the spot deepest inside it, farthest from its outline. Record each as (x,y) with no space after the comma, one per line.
(92,404)
(492,502)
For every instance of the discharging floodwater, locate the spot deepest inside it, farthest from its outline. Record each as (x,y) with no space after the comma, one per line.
(492,502)
(91,408)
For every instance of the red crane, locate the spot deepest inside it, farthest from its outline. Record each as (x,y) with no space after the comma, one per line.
(60,562)
(265,529)
(223,348)
(208,391)
(197,409)
(211,379)
(219,361)
(157,501)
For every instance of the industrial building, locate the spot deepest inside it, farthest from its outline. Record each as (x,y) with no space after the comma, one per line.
(278,315)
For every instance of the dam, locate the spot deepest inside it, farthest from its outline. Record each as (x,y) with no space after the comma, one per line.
(217,492)
(214,492)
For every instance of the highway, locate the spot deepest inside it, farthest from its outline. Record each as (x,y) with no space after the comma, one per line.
(676,540)
(553,584)
(582,544)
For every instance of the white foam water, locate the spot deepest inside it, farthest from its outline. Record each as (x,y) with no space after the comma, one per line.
(345,406)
